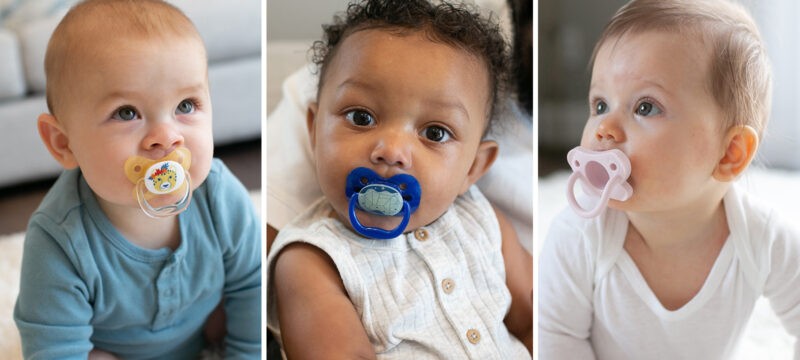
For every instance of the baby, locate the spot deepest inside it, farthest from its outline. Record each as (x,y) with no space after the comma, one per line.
(406,91)
(113,265)
(682,89)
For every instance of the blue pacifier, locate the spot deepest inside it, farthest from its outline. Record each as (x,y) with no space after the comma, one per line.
(398,195)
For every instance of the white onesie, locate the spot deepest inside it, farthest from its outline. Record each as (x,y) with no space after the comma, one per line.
(594,302)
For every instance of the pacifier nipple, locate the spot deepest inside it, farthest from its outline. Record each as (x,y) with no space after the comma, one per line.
(603,176)
(398,195)
(162,186)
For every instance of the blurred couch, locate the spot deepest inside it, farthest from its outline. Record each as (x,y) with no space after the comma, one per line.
(232,34)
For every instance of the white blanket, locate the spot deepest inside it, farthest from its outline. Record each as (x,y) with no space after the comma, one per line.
(764,338)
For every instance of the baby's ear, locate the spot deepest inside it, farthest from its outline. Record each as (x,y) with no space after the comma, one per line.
(741,144)
(311,114)
(484,158)
(56,140)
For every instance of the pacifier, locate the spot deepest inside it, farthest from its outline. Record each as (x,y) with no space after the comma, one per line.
(398,195)
(603,176)
(162,186)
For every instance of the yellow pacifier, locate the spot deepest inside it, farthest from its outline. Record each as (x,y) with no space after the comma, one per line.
(162,186)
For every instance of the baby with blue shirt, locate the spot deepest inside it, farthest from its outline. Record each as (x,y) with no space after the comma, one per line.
(144,234)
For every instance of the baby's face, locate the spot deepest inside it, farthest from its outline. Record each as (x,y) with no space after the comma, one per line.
(650,98)
(136,97)
(399,105)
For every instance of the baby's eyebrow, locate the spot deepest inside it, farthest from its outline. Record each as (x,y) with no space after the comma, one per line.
(449,104)
(356,83)
(192,88)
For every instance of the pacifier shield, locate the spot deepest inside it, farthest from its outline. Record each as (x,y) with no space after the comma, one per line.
(162,187)
(398,195)
(603,176)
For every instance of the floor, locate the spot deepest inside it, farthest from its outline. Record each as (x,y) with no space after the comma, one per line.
(17,203)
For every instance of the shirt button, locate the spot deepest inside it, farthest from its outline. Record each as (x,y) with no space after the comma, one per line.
(473,336)
(448,285)
(168,292)
(421,234)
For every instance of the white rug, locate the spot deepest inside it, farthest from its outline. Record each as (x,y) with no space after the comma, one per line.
(764,338)
(10,258)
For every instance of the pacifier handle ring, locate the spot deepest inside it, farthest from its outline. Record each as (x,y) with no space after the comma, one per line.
(612,183)
(167,210)
(373,232)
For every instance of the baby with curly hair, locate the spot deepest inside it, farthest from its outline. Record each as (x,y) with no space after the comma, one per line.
(407,90)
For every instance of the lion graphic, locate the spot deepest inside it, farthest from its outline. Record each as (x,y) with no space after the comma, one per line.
(164,178)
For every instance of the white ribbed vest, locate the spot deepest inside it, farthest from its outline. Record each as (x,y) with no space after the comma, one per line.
(419,296)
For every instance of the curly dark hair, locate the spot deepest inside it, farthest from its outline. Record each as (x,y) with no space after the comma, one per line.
(457,25)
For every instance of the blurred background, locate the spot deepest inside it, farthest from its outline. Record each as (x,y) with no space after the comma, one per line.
(568,30)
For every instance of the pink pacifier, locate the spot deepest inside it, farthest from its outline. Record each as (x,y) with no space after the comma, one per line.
(162,186)
(603,176)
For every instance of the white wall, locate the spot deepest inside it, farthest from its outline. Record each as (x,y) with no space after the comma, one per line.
(300,19)
(777,21)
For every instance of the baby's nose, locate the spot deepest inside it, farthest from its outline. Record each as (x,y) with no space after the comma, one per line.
(609,129)
(163,135)
(392,148)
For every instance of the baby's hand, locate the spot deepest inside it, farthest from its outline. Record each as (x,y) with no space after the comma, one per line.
(101,355)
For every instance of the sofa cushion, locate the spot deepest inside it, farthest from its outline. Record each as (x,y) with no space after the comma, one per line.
(33,38)
(230,29)
(12,77)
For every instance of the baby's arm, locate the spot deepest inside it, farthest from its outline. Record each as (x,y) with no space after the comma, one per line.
(53,309)
(519,279)
(238,226)
(317,319)
(565,294)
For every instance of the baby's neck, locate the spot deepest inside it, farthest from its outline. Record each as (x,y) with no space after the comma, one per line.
(672,232)
(142,230)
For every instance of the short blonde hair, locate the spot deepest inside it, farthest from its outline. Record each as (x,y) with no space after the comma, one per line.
(740,77)
(107,19)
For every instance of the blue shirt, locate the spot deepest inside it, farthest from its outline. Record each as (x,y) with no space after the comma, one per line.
(83,285)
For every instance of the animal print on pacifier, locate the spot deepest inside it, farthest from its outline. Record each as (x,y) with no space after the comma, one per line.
(603,176)
(398,195)
(162,186)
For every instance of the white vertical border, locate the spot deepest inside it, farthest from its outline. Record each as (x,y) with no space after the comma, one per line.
(535,180)
(263,199)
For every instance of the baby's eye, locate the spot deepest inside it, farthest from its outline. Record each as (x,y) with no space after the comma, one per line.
(360,118)
(600,107)
(647,109)
(436,133)
(185,107)
(125,113)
